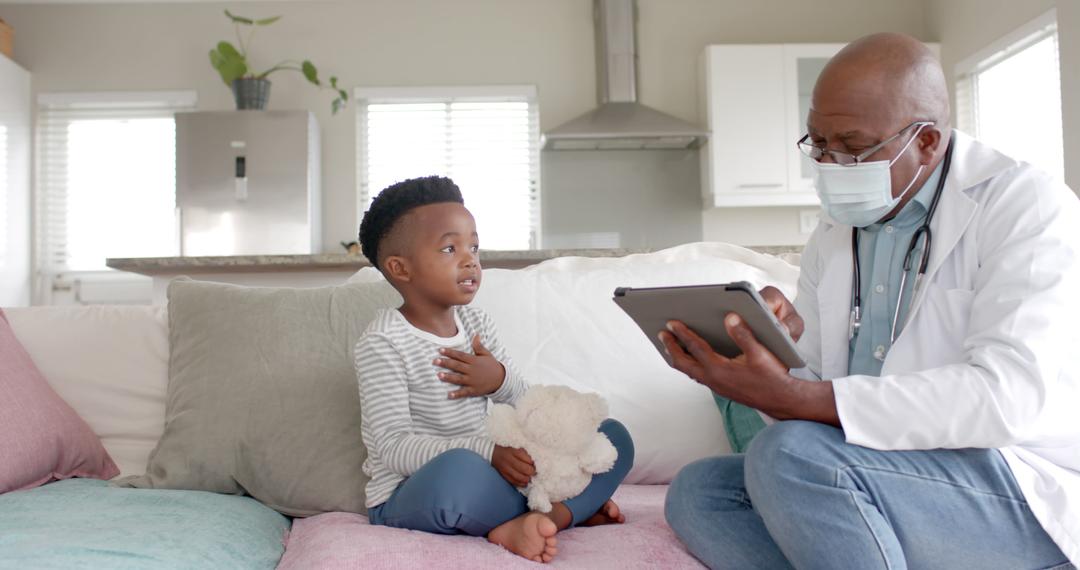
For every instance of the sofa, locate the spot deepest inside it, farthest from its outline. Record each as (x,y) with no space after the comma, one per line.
(112,365)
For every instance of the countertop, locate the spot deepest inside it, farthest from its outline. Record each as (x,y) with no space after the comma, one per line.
(343,261)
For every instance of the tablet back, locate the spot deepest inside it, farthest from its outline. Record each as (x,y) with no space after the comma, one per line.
(703,308)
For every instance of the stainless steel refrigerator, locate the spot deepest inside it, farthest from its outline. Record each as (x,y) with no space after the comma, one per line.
(247,183)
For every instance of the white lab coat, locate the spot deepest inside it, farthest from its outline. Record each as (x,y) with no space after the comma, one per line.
(990,357)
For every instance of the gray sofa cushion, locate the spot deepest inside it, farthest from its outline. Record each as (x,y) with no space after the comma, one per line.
(262,395)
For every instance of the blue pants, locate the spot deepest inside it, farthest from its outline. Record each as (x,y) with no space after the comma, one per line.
(803,497)
(459,492)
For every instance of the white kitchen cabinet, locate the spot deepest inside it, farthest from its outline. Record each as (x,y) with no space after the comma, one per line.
(755,100)
(14,184)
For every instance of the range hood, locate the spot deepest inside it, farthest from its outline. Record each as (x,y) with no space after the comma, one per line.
(620,122)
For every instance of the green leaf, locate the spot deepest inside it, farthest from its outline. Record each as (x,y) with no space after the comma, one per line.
(228,62)
(267,21)
(228,51)
(333,82)
(310,72)
(239,19)
(336,106)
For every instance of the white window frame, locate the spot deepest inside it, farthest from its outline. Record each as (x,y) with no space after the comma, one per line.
(56,285)
(364,96)
(1016,41)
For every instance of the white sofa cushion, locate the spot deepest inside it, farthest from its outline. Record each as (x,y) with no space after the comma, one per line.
(110,363)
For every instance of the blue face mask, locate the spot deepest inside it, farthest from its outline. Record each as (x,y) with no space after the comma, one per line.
(860,194)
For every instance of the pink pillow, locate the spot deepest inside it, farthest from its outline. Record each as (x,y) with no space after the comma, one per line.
(41,437)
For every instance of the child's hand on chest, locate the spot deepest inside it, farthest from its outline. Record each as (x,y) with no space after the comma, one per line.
(475,371)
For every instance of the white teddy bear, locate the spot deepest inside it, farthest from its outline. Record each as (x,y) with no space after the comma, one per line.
(557,426)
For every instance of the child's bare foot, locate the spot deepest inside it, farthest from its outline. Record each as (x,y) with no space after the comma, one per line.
(532,536)
(608,514)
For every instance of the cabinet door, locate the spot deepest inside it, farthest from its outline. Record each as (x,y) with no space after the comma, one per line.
(802,66)
(744,103)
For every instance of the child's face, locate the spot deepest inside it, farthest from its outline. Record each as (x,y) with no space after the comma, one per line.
(442,259)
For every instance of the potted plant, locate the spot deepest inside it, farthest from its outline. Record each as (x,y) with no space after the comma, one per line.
(252,89)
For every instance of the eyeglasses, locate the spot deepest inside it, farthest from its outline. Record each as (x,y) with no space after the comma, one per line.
(846,159)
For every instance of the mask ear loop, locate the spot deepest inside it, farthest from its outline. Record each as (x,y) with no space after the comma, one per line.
(901,153)
(918,131)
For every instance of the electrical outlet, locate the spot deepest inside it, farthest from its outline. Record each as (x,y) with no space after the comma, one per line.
(808,220)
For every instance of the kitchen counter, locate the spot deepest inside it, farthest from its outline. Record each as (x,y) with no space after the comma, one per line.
(326,269)
(340,261)
(331,261)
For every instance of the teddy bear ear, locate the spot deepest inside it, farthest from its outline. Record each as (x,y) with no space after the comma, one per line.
(597,406)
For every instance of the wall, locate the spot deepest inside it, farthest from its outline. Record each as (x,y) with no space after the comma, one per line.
(967,26)
(365,43)
(548,43)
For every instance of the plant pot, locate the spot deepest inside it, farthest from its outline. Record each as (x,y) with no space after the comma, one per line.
(251,93)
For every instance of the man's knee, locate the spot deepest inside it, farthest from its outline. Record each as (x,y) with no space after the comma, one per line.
(691,480)
(784,451)
(704,478)
(687,486)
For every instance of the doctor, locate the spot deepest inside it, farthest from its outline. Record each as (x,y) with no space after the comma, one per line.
(936,424)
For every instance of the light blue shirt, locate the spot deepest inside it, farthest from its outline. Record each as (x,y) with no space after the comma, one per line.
(881,262)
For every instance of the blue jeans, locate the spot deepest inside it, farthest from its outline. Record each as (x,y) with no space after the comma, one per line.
(459,492)
(802,497)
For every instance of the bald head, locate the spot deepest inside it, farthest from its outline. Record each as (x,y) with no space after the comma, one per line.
(868,99)
(896,72)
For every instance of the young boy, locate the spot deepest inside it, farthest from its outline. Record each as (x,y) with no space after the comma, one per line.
(426,371)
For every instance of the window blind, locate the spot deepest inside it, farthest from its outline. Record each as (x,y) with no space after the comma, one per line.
(106,180)
(486,139)
(965,105)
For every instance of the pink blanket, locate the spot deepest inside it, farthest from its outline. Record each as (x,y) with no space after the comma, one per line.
(343,540)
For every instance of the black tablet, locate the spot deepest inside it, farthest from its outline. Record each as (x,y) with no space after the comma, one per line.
(703,308)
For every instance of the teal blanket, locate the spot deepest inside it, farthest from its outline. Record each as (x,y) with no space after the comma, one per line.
(84,523)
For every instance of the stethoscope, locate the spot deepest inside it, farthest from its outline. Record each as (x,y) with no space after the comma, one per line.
(855,321)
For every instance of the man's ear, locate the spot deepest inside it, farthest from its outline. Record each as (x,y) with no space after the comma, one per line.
(397,268)
(929,140)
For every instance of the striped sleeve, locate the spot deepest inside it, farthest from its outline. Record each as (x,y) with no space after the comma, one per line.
(386,421)
(514,383)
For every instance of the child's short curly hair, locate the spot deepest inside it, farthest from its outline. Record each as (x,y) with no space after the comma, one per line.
(397,200)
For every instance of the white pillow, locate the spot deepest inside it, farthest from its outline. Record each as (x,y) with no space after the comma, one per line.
(560,325)
(110,363)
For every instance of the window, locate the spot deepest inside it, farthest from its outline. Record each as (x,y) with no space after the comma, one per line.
(106,177)
(485,139)
(1009,95)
